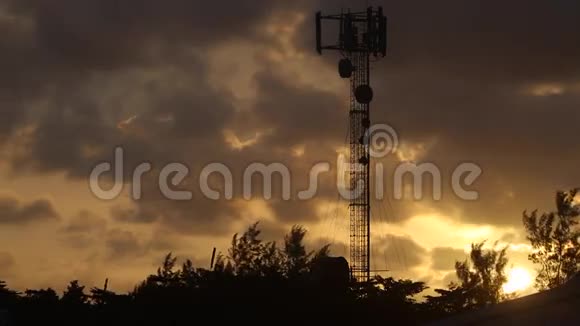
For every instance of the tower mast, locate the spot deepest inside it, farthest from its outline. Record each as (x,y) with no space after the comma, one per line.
(361,34)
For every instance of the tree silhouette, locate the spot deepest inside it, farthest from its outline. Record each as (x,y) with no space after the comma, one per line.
(298,262)
(554,241)
(74,294)
(480,282)
(43,297)
(297,258)
(7,297)
(189,276)
(250,256)
(259,281)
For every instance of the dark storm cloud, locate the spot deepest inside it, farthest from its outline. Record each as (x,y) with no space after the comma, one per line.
(462,73)
(454,72)
(12,116)
(55,47)
(436,80)
(199,215)
(59,139)
(294,211)
(122,243)
(517,40)
(485,115)
(16,212)
(83,230)
(87,230)
(85,221)
(166,241)
(194,217)
(82,48)
(131,215)
(299,114)
(79,240)
(79,130)
(112,33)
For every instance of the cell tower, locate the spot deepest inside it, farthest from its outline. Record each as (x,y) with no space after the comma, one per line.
(360,35)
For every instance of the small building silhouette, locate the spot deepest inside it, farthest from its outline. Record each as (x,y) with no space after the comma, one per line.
(331,272)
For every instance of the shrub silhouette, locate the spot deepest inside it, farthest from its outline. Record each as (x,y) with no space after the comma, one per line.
(255,281)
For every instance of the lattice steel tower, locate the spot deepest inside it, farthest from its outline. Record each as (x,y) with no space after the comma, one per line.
(360,35)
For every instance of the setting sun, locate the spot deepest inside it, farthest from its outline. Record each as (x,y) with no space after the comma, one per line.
(519,279)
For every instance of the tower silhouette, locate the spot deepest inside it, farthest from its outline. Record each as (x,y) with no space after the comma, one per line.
(361,34)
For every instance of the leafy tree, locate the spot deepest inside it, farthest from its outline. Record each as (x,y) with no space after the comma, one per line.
(74,294)
(166,275)
(398,298)
(189,276)
(4,288)
(400,291)
(554,238)
(166,282)
(249,255)
(321,253)
(480,281)
(297,260)
(7,296)
(105,297)
(451,300)
(296,256)
(42,297)
(223,265)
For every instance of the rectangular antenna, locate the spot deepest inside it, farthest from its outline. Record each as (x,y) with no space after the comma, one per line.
(371,31)
(349,36)
(318,33)
(382,32)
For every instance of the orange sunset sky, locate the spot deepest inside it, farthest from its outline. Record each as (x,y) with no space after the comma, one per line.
(238,82)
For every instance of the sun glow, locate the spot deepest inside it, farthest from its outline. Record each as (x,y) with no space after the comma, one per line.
(519,279)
